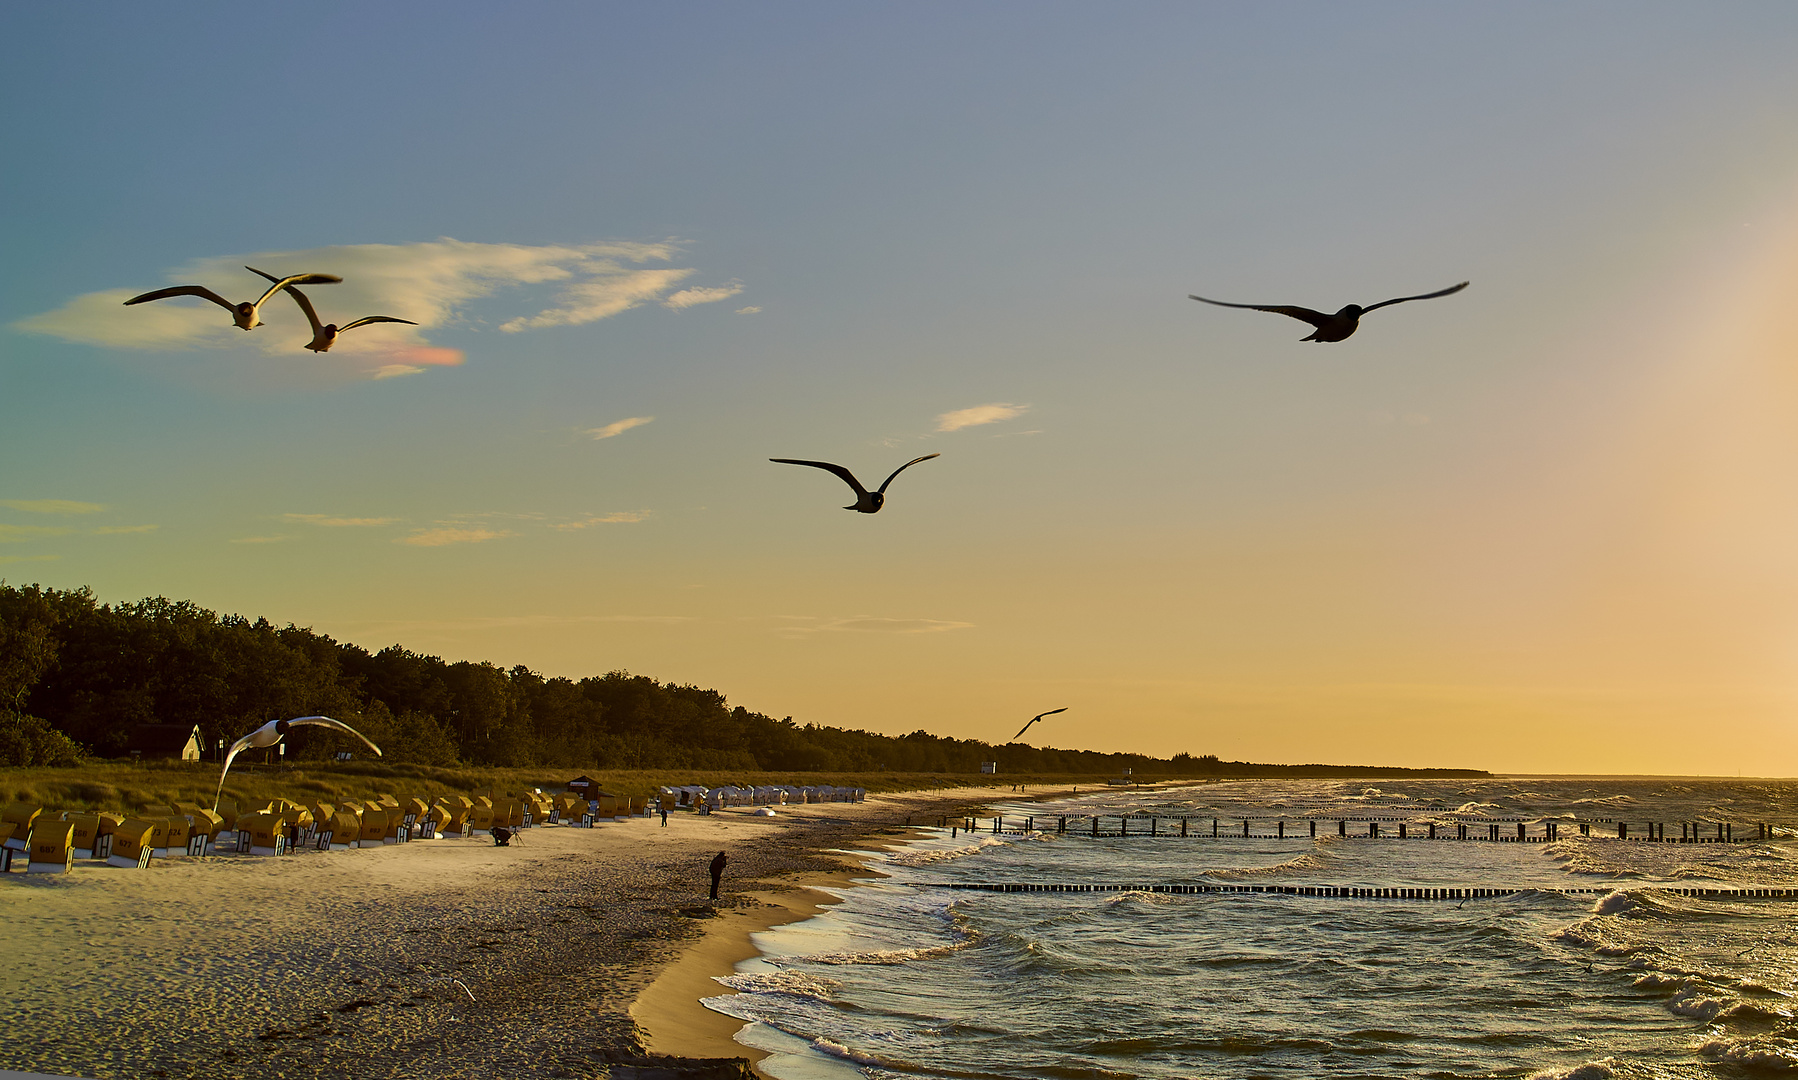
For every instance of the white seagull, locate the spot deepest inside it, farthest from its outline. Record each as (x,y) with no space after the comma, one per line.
(867,502)
(247,315)
(270,733)
(1034,719)
(324,335)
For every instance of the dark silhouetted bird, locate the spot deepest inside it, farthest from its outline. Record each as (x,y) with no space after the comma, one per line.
(248,316)
(1034,719)
(324,335)
(868,502)
(1331,327)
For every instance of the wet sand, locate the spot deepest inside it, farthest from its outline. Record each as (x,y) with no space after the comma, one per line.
(435,959)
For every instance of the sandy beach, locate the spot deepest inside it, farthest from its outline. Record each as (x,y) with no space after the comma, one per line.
(572,953)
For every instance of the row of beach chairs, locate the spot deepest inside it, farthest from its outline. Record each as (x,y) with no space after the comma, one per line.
(53,841)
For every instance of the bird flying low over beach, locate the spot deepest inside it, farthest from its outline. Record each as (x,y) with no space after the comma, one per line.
(271,733)
(867,502)
(1034,719)
(1331,327)
(324,335)
(247,315)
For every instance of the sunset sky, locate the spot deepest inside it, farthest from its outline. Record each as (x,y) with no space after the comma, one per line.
(1549,524)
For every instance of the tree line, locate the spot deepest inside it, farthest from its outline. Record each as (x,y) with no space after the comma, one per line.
(77,677)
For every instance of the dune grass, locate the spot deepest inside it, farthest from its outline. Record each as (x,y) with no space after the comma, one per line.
(129,786)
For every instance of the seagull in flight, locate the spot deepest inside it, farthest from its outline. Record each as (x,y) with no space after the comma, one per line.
(1331,327)
(1034,719)
(271,733)
(248,316)
(867,502)
(324,335)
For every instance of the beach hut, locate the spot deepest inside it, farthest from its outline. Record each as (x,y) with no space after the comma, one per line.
(52,848)
(135,840)
(82,830)
(374,828)
(480,816)
(20,816)
(266,832)
(345,830)
(103,833)
(584,786)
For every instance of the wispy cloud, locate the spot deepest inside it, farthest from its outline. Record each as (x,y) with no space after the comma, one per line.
(807,624)
(490,622)
(433,284)
(619,517)
(750,310)
(15,534)
(701,294)
(979,414)
(260,539)
(52,506)
(619,427)
(331,522)
(119,530)
(453,535)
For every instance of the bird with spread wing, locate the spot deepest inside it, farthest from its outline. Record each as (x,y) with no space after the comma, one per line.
(1034,719)
(324,335)
(1331,327)
(247,315)
(867,502)
(272,732)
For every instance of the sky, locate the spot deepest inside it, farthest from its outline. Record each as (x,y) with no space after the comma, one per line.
(1548,524)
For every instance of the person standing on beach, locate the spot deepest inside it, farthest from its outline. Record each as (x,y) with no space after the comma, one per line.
(663,807)
(718,861)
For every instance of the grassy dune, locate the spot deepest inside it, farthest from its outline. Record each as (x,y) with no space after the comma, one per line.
(125,786)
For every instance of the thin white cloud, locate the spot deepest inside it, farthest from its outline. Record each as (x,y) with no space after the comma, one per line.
(489,622)
(433,284)
(701,294)
(807,624)
(52,506)
(331,522)
(446,536)
(619,517)
(979,414)
(15,534)
(750,310)
(119,530)
(619,427)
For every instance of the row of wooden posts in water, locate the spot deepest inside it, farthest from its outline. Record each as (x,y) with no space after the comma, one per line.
(1487,829)
(53,841)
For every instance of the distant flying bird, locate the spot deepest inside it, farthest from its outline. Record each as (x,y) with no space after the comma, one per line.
(868,502)
(270,733)
(1331,327)
(1034,719)
(324,335)
(248,316)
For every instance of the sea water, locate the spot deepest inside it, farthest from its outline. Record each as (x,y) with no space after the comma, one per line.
(906,978)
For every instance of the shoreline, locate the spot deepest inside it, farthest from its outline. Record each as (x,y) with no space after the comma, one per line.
(671,1018)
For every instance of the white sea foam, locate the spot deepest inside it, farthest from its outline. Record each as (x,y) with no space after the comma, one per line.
(1603,1069)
